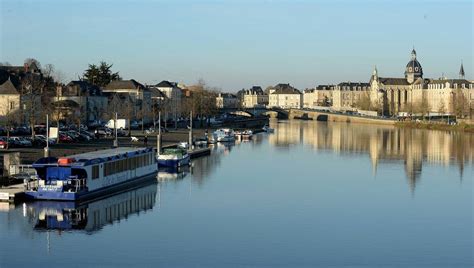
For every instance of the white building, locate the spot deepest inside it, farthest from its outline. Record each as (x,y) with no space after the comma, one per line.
(174,93)
(227,100)
(285,96)
(254,98)
(317,97)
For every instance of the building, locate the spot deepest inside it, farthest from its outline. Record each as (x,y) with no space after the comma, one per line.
(19,100)
(254,98)
(285,96)
(348,95)
(174,94)
(322,95)
(87,99)
(10,97)
(227,100)
(414,94)
(129,98)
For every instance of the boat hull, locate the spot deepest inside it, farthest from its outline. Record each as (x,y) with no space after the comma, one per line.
(173,163)
(87,195)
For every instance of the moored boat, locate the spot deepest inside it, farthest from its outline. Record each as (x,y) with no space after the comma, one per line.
(91,175)
(173,157)
(247,134)
(268,129)
(224,135)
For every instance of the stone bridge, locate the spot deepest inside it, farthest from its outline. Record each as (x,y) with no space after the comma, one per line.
(255,112)
(336,117)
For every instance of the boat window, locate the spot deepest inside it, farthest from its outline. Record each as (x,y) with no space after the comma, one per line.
(95,172)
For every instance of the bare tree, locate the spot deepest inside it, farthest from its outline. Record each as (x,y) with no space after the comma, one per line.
(364,102)
(461,104)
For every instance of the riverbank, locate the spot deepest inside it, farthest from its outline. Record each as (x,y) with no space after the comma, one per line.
(436,126)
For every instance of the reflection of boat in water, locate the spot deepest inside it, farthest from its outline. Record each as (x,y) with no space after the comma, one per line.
(92,216)
(173,157)
(91,175)
(244,135)
(169,174)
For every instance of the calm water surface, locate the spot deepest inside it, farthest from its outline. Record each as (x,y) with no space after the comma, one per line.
(311,194)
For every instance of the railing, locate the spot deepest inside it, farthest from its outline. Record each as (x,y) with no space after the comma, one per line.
(19,169)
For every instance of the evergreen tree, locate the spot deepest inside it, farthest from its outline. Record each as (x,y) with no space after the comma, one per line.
(100,75)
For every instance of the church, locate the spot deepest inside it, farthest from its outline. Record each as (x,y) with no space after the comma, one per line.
(412,94)
(415,94)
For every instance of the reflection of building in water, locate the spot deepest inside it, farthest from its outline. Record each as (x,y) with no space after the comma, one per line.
(382,143)
(91,217)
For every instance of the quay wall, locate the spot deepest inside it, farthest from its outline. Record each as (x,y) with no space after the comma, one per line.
(334,117)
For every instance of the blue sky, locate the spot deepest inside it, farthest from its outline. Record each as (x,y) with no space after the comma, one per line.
(237,44)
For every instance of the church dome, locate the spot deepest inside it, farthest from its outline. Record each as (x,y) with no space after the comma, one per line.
(413,70)
(414,66)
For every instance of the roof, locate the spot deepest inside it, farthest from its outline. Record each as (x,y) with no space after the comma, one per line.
(8,87)
(86,87)
(66,103)
(394,81)
(165,83)
(257,90)
(324,87)
(156,93)
(124,84)
(352,85)
(95,156)
(107,153)
(227,95)
(285,89)
(451,81)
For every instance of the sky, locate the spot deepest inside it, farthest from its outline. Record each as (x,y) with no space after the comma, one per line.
(237,44)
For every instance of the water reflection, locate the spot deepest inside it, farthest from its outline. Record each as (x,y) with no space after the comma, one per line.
(172,174)
(383,144)
(92,216)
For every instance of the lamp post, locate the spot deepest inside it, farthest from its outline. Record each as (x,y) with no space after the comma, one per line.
(46,149)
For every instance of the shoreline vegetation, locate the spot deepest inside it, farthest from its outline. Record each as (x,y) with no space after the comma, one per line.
(464,127)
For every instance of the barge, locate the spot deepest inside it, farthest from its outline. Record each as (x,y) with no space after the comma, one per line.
(91,175)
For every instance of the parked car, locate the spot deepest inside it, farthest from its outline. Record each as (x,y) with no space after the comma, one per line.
(26,141)
(3,143)
(65,138)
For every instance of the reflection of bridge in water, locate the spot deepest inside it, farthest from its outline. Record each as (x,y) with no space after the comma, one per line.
(383,144)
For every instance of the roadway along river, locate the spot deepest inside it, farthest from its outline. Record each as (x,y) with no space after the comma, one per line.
(312,193)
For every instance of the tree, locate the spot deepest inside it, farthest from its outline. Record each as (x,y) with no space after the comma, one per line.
(203,100)
(441,108)
(30,61)
(424,107)
(461,104)
(364,102)
(100,75)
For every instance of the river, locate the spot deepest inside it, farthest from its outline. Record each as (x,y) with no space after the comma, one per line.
(310,194)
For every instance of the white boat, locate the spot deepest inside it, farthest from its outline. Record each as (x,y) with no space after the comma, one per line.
(224,135)
(90,175)
(247,134)
(268,129)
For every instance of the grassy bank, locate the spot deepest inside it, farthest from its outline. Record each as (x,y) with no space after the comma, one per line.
(436,126)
